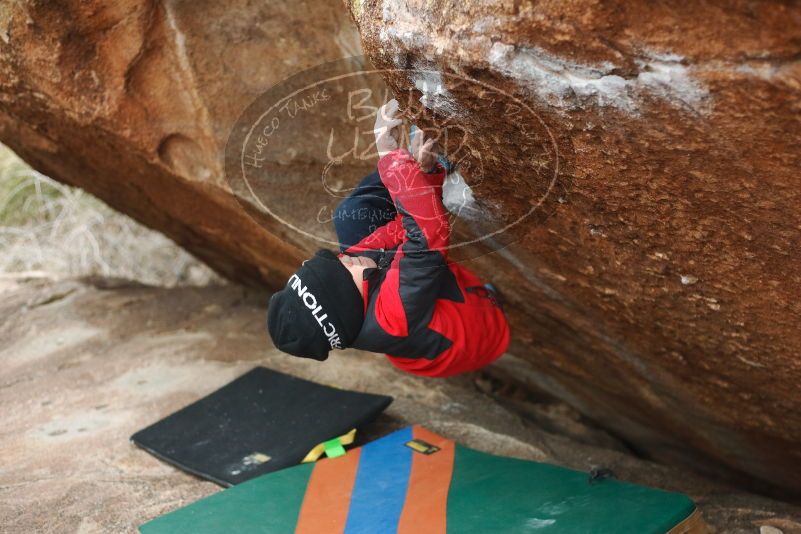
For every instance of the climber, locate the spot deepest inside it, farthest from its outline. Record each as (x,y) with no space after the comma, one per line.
(392,288)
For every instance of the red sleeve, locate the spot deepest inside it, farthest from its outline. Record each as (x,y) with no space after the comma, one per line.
(411,287)
(385,237)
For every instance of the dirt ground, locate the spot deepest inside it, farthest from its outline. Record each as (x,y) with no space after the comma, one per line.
(86,363)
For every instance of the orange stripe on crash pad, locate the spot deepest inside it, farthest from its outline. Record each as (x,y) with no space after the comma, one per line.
(427,495)
(327,499)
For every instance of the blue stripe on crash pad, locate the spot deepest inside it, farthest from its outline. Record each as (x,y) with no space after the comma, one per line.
(381,482)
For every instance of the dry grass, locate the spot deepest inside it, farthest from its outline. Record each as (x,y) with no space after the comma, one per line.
(48,226)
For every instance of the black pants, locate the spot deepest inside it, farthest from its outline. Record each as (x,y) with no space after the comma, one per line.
(367,208)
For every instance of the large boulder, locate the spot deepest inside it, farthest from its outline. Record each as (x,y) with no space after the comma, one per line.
(642,160)
(658,291)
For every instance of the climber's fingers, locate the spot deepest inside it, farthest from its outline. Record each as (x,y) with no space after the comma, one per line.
(388,110)
(385,118)
(387,128)
(428,153)
(425,151)
(417,143)
(388,133)
(430,147)
(391,127)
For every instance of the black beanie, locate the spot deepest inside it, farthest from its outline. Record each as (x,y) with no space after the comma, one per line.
(319,309)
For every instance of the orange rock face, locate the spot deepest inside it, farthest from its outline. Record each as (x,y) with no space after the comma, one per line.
(639,162)
(658,289)
(133,101)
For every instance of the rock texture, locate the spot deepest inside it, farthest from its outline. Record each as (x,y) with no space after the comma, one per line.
(87,363)
(654,284)
(133,101)
(658,288)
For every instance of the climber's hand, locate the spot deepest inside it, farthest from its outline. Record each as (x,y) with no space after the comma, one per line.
(425,150)
(387,128)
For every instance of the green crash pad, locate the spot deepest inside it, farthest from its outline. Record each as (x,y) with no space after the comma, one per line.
(414,481)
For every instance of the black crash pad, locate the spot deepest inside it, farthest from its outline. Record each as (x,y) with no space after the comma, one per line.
(261,422)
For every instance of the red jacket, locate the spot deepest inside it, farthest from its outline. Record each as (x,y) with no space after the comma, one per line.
(430,316)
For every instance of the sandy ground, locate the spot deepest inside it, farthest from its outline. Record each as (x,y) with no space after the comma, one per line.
(84,364)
